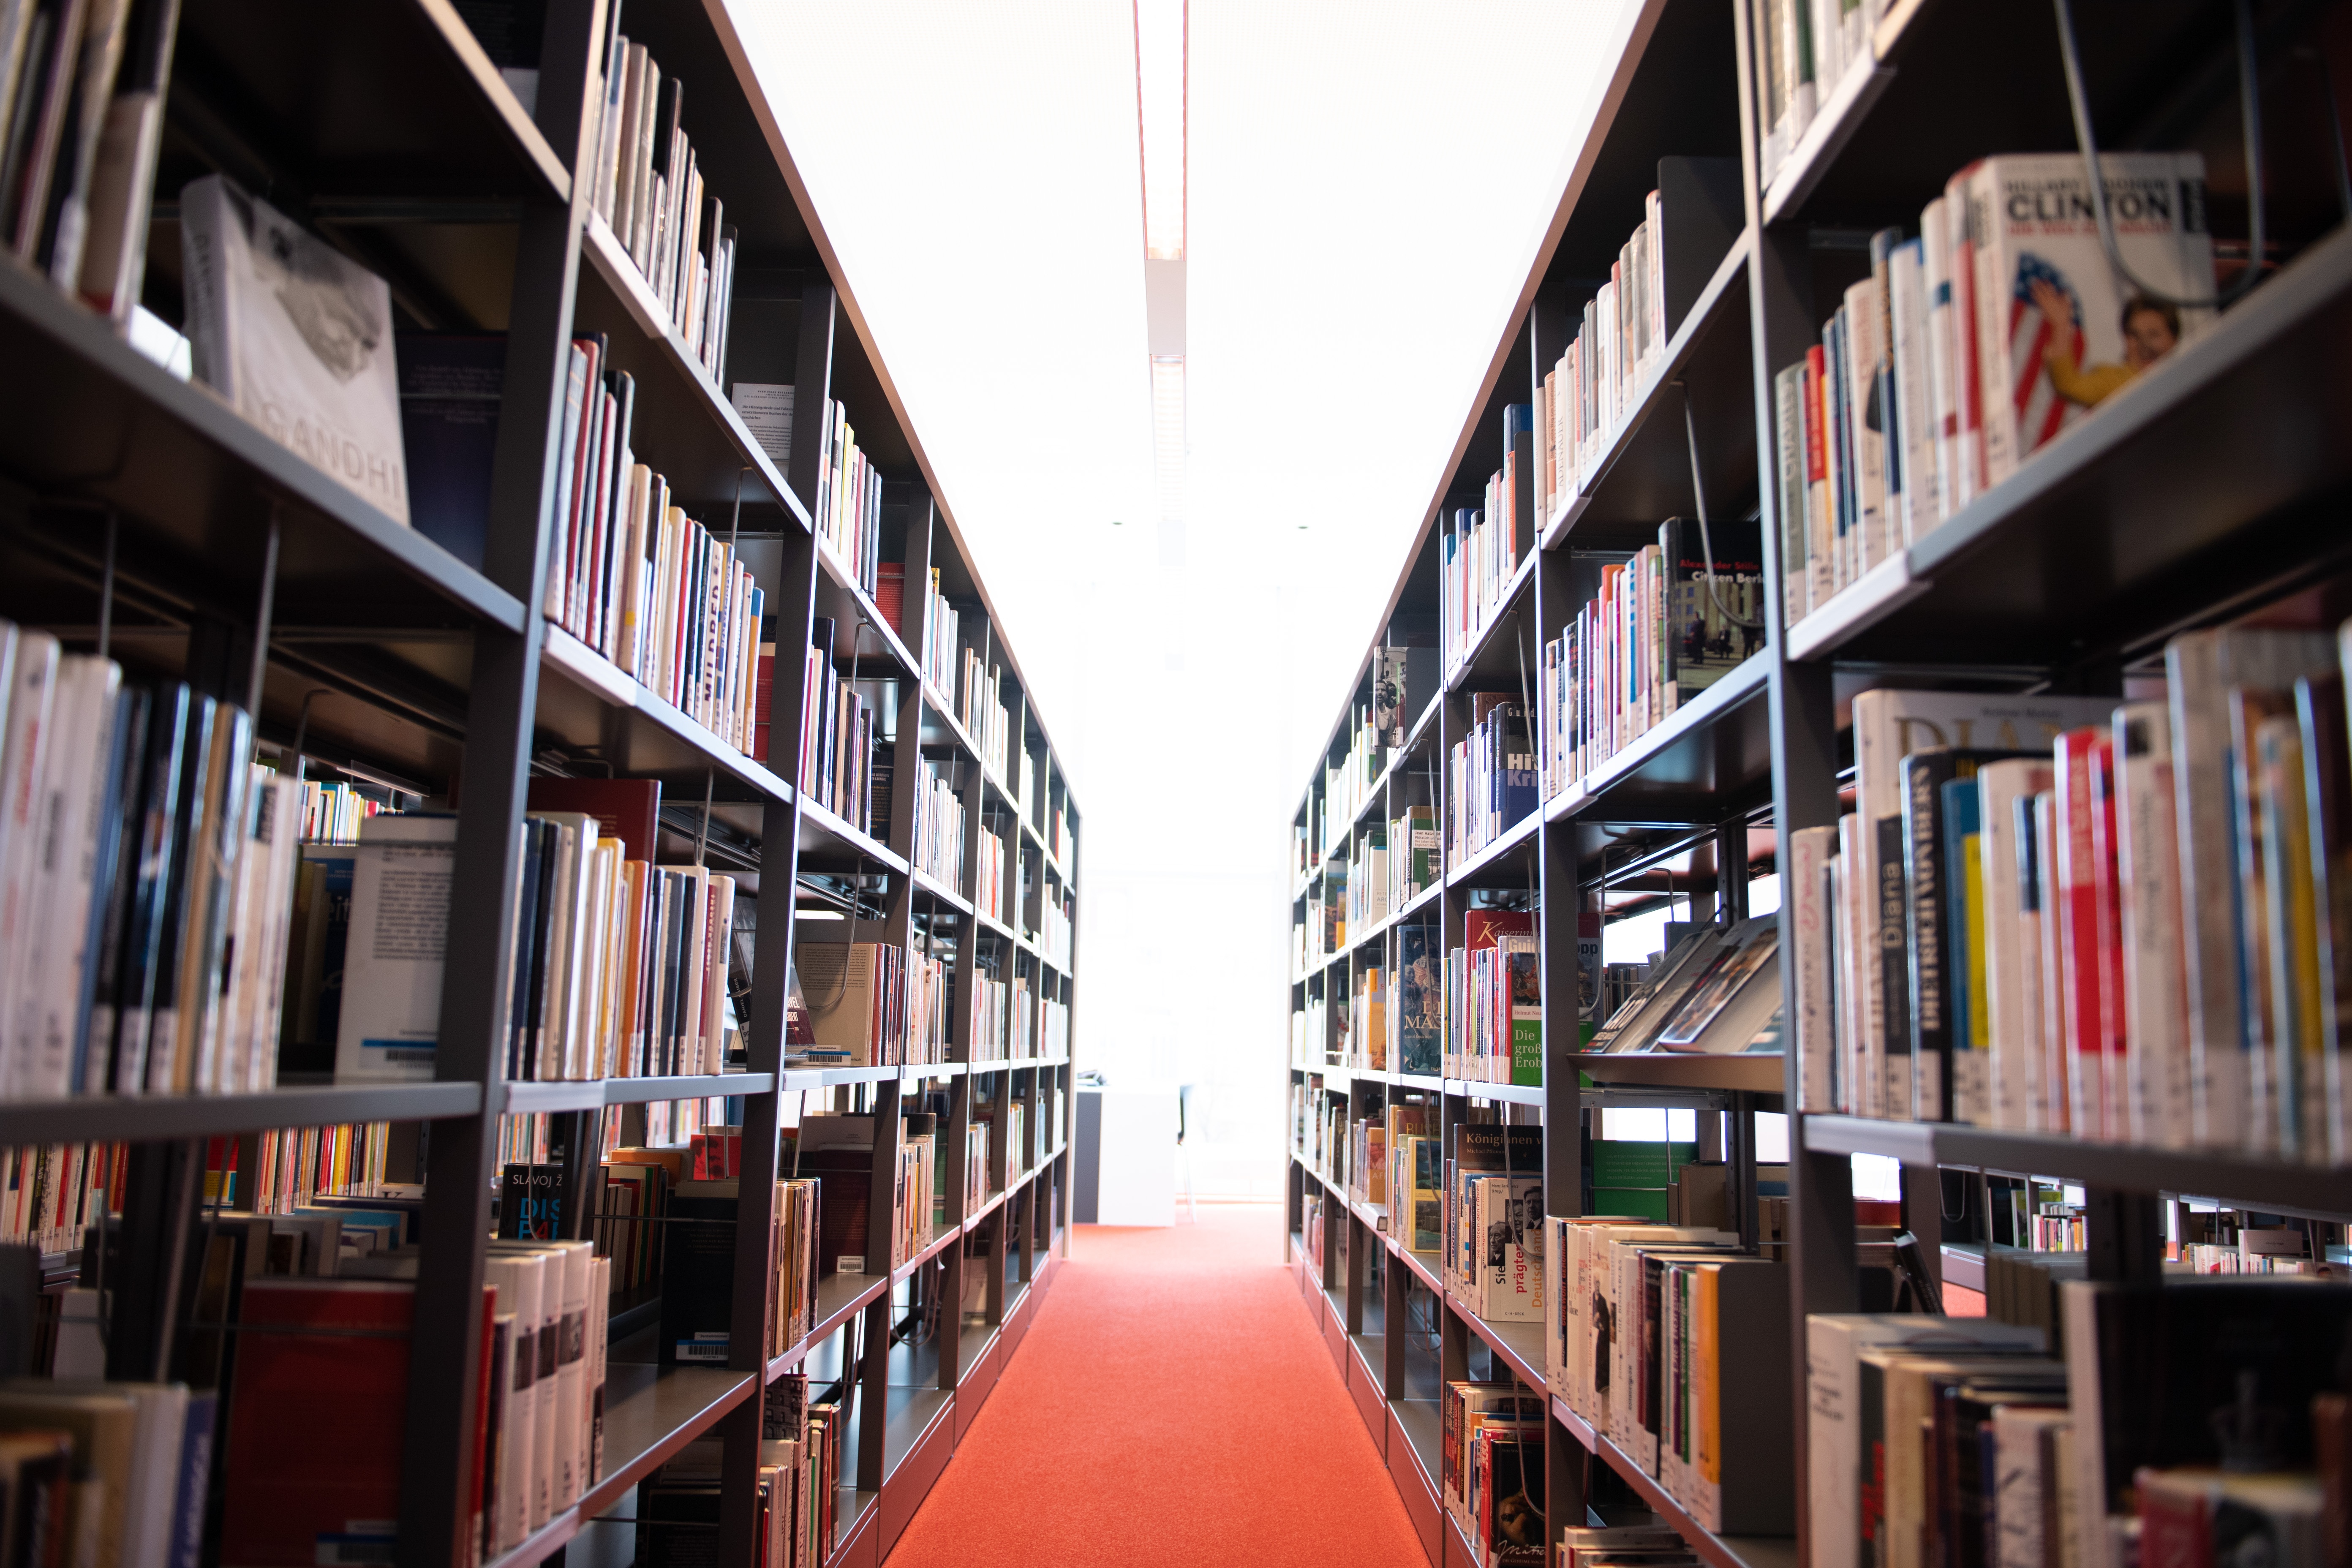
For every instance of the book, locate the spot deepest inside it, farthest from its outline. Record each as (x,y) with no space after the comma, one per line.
(297,337)
(1418,1000)
(1888,725)
(390,1017)
(2243,1403)
(290,1497)
(450,387)
(2056,329)
(2012,960)
(1836,1452)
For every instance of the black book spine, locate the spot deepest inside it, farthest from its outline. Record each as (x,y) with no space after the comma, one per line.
(1929,955)
(112,880)
(698,1280)
(158,1009)
(514,1204)
(1894,971)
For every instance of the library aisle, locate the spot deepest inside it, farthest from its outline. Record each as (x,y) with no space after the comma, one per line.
(1255,1454)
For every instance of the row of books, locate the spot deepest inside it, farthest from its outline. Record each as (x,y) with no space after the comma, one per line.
(1490,1207)
(1491,1472)
(632,1214)
(331,813)
(50,1194)
(2117,922)
(849,501)
(545,1385)
(942,641)
(2035,1454)
(1052,1028)
(81,112)
(852,1003)
(794,1219)
(1367,1021)
(1480,548)
(649,191)
(1053,931)
(1348,782)
(294,1165)
(938,824)
(844,764)
(981,709)
(991,1020)
(622,967)
(111,1473)
(976,1188)
(1490,774)
(1804,50)
(800,1474)
(1586,394)
(988,881)
(1660,628)
(1662,1338)
(1059,841)
(930,998)
(1975,344)
(634,577)
(1414,869)
(1369,879)
(1494,999)
(142,851)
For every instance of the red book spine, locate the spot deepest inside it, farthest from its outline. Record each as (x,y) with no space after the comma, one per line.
(2115,1100)
(2080,958)
(474,1476)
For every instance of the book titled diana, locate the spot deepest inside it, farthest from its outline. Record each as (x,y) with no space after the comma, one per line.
(296,336)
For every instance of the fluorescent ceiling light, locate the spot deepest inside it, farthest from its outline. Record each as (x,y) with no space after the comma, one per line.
(1160,71)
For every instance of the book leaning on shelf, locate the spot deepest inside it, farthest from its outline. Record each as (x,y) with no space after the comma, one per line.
(2123,921)
(1974,346)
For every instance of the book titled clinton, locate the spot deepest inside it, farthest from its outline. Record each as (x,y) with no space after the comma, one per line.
(296,336)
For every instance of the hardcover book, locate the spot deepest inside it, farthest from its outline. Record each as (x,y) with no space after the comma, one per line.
(296,336)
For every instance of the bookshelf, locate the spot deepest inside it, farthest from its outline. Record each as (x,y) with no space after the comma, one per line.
(2207,496)
(138,507)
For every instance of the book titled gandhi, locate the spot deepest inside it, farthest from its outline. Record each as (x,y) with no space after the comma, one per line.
(296,336)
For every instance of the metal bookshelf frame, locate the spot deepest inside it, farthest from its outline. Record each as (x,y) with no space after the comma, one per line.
(2213,489)
(422,163)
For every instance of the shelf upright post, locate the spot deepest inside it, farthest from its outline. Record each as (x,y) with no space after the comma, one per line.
(752,1303)
(445,1352)
(1561,920)
(915,612)
(1823,1275)
(881,1231)
(1067,1075)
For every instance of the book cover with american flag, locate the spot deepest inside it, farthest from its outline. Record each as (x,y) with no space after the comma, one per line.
(2058,329)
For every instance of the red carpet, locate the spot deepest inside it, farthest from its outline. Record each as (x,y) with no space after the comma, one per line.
(1173,1406)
